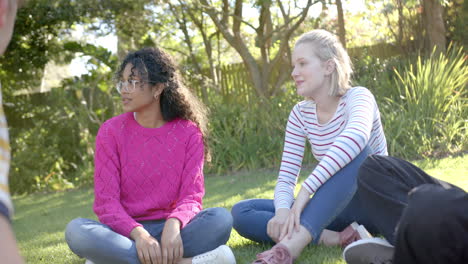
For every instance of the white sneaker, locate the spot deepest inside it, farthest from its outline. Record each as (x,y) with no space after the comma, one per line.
(220,255)
(88,262)
(371,250)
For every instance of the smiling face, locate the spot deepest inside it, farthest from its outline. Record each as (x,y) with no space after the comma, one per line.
(143,96)
(310,73)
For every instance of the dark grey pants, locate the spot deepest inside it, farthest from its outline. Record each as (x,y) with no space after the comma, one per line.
(425,218)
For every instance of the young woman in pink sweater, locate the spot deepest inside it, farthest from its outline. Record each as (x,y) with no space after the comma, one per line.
(149,175)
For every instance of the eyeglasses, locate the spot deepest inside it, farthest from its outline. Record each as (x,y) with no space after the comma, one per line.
(128,86)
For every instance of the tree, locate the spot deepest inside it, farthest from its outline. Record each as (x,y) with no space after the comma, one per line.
(341,23)
(435,27)
(36,41)
(185,14)
(131,21)
(273,34)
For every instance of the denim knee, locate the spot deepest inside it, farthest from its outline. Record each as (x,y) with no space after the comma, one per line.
(75,235)
(221,222)
(238,211)
(208,230)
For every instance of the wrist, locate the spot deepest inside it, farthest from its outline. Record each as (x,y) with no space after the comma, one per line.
(302,198)
(303,195)
(282,211)
(173,224)
(138,232)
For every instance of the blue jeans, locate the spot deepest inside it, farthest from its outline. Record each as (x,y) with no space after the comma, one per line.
(97,242)
(334,206)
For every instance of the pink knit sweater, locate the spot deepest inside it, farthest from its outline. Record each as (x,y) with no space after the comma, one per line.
(147,173)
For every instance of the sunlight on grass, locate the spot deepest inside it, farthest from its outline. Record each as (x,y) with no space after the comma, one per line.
(453,170)
(40,219)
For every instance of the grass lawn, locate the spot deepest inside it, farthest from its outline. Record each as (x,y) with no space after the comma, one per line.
(40,219)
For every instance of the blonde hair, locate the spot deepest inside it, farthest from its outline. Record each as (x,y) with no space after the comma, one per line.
(328,47)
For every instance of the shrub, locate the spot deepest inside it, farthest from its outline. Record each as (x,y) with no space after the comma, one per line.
(428,115)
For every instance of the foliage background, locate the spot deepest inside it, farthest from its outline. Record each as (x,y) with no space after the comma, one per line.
(421,93)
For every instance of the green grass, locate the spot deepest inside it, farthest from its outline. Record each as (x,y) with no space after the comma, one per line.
(40,219)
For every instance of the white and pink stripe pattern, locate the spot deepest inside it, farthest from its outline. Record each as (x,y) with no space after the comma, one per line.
(355,125)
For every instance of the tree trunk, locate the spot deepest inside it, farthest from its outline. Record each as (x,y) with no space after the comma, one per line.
(262,72)
(435,27)
(341,23)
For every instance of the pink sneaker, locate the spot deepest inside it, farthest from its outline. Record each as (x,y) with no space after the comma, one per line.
(353,232)
(279,254)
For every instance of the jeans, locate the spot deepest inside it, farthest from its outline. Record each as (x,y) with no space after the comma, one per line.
(97,242)
(334,206)
(425,218)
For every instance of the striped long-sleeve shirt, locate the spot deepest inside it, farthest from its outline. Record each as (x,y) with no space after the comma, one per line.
(6,206)
(355,125)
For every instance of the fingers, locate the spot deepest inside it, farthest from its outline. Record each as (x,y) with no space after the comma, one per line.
(141,256)
(171,256)
(177,255)
(297,222)
(164,255)
(278,231)
(274,233)
(291,225)
(273,230)
(148,250)
(155,254)
(159,258)
(145,256)
(181,252)
(284,230)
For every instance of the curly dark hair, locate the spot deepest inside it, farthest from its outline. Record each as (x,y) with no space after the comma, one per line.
(177,101)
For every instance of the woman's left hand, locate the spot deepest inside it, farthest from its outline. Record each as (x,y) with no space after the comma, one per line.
(171,242)
(293,222)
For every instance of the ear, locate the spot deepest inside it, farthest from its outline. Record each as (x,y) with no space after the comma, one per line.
(3,12)
(330,67)
(158,89)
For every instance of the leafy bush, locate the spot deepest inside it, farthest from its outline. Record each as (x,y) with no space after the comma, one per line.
(428,115)
(52,136)
(248,135)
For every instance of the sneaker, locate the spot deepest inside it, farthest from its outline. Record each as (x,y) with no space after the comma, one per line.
(220,255)
(278,254)
(88,262)
(352,233)
(372,250)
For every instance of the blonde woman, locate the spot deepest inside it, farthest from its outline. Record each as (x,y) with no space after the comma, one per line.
(342,124)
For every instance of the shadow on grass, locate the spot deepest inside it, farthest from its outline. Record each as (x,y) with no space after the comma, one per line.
(38,205)
(40,221)
(222,191)
(229,189)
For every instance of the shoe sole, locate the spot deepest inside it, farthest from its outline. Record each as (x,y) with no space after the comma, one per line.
(367,251)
